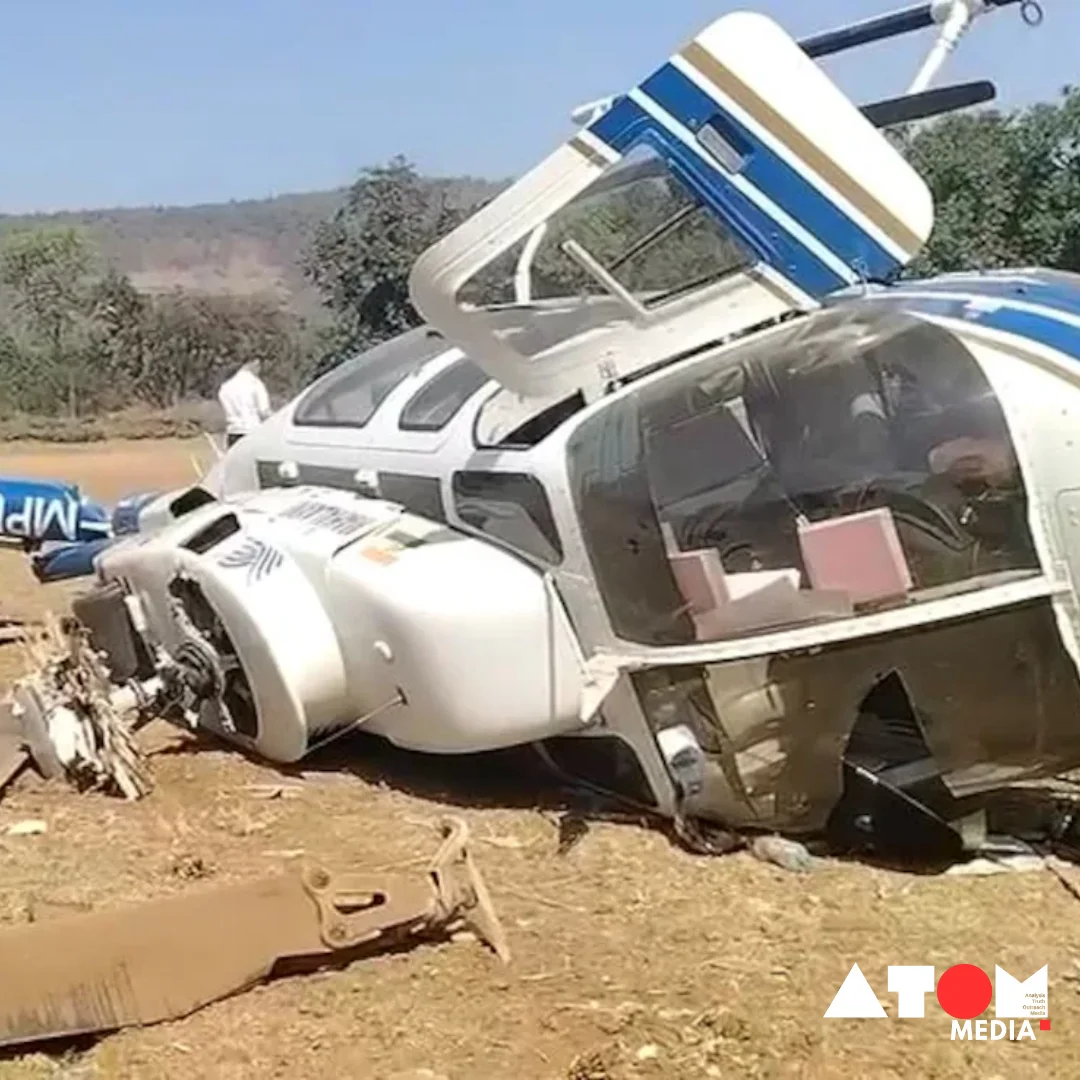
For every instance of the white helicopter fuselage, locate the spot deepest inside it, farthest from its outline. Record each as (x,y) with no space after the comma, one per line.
(785,539)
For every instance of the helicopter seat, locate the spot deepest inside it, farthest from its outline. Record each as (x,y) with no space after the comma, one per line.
(858,554)
(722,604)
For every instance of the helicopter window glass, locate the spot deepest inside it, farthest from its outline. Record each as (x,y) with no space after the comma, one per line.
(511,508)
(348,395)
(642,224)
(845,463)
(421,495)
(646,228)
(437,403)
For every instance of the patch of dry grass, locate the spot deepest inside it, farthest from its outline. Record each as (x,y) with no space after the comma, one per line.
(633,959)
(183,421)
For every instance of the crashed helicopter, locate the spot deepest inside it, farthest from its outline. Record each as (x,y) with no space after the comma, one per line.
(738,524)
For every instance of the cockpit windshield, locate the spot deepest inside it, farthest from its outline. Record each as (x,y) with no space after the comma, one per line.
(847,462)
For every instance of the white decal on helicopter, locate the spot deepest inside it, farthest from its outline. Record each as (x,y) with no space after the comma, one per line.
(320,515)
(34,515)
(259,558)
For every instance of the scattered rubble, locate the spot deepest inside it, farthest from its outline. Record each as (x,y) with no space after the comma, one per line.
(31,827)
(13,757)
(163,960)
(985,866)
(787,854)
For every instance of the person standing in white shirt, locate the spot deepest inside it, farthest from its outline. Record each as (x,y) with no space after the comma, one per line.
(245,401)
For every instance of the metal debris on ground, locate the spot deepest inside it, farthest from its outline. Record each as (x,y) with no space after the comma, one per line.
(13,756)
(1062,870)
(984,866)
(787,854)
(274,791)
(14,628)
(31,827)
(164,959)
(73,720)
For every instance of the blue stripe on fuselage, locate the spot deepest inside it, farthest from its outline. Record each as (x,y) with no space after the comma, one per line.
(1043,327)
(626,124)
(1019,286)
(767,171)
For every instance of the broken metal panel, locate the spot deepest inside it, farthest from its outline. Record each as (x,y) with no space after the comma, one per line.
(13,628)
(74,720)
(950,712)
(165,959)
(13,753)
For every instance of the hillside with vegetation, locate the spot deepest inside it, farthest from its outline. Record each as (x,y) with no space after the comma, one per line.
(244,248)
(145,311)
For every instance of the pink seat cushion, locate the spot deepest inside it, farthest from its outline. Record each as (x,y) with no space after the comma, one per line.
(859,554)
(700,577)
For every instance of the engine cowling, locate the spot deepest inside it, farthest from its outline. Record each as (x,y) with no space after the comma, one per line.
(306,609)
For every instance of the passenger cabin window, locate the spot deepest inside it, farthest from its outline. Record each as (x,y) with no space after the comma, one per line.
(348,395)
(437,403)
(848,462)
(511,508)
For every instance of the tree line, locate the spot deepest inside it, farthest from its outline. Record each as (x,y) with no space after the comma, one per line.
(78,339)
(1006,187)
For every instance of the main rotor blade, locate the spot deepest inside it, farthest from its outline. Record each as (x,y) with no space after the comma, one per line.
(879,28)
(869,30)
(945,99)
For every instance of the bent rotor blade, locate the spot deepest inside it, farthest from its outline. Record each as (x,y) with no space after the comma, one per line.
(153,962)
(911,107)
(881,28)
(165,959)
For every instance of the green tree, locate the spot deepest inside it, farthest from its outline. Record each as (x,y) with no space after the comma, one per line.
(122,343)
(47,272)
(361,257)
(83,342)
(184,344)
(30,383)
(1006,187)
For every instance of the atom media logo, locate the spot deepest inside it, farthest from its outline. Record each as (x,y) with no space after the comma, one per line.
(964,991)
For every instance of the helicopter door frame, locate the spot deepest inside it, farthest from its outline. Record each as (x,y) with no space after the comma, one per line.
(812,188)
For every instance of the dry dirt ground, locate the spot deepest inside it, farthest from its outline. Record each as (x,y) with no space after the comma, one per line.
(632,958)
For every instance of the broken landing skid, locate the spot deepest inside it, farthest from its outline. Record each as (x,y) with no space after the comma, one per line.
(165,959)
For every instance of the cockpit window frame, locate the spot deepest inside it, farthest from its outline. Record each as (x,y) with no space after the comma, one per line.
(574,401)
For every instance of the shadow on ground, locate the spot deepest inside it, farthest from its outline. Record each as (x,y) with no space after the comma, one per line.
(516,778)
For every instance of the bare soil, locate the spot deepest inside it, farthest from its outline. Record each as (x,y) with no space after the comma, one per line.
(632,958)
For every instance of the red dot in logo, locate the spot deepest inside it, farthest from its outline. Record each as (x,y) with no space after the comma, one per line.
(964,991)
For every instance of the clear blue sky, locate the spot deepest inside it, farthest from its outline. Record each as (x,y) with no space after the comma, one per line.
(136,102)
